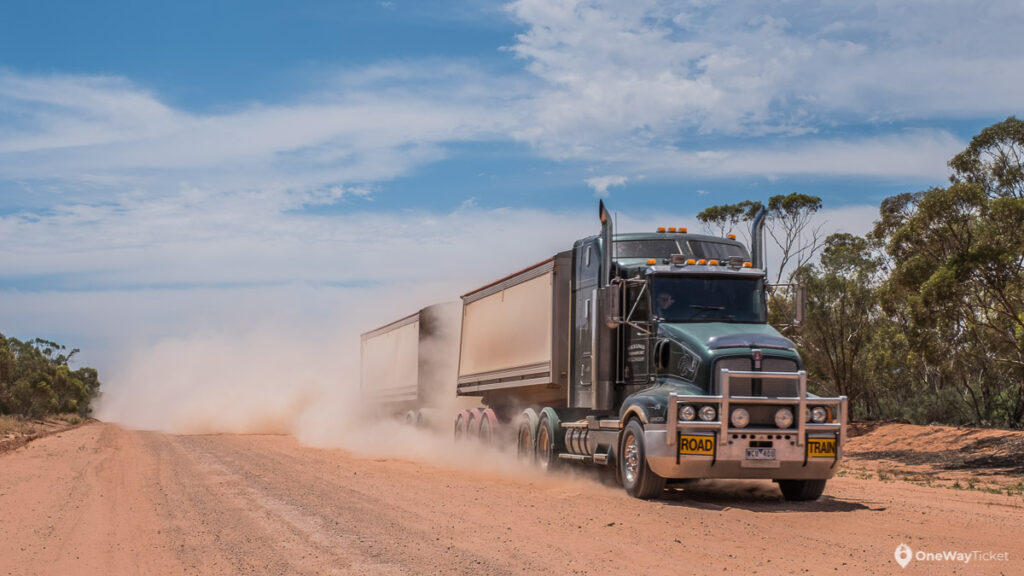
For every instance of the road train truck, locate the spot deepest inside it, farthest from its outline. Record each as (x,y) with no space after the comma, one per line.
(650,354)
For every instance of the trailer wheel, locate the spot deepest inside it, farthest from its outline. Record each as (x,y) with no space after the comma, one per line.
(801,490)
(473,424)
(488,422)
(637,477)
(461,422)
(526,438)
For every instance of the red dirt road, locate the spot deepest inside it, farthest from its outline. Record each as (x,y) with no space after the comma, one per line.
(103,500)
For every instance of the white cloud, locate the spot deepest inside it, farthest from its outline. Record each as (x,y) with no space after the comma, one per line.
(655,86)
(914,155)
(601,184)
(657,72)
(83,129)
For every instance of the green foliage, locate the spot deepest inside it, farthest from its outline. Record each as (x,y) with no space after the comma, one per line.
(788,222)
(994,160)
(724,218)
(841,317)
(36,381)
(924,318)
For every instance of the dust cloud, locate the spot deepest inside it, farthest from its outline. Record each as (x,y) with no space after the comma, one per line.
(291,375)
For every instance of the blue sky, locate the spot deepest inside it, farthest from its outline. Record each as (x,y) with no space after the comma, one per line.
(167,167)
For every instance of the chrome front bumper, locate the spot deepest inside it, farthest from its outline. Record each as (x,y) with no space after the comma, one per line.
(729,459)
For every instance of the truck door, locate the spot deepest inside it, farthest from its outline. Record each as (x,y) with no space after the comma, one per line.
(638,343)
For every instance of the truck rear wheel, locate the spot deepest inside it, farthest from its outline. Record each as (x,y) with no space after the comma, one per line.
(526,437)
(550,439)
(801,490)
(637,477)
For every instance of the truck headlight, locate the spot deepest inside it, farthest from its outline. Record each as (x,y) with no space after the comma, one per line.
(740,418)
(818,414)
(783,417)
(708,413)
(687,412)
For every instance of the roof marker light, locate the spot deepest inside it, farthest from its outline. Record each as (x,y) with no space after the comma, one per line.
(748,265)
(702,261)
(651,262)
(671,228)
(732,236)
(682,230)
(713,262)
(691,261)
(661,228)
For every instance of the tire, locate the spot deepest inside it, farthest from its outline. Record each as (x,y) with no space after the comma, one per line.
(637,477)
(550,440)
(473,424)
(488,424)
(412,418)
(801,490)
(461,421)
(526,436)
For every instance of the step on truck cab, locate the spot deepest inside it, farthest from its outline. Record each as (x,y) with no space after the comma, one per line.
(654,358)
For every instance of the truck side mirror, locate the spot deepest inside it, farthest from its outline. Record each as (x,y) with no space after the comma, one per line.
(800,304)
(611,300)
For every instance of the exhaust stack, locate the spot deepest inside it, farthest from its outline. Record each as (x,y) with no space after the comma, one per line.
(757,240)
(606,241)
(604,360)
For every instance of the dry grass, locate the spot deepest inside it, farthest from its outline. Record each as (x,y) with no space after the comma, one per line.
(15,425)
(72,418)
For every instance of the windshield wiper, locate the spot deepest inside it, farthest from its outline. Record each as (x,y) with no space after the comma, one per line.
(703,307)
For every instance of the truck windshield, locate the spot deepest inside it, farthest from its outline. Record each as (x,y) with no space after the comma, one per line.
(708,299)
(661,248)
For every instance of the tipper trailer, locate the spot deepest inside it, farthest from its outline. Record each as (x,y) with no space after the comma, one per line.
(654,358)
(406,366)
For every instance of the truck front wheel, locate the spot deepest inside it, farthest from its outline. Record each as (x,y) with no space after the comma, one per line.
(800,490)
(637,477)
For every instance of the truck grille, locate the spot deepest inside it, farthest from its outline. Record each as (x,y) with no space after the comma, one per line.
(769,386)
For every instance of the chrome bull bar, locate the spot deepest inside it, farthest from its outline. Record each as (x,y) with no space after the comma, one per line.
(723,399)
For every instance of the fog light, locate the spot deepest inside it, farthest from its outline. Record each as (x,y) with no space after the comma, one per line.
(818,414)
(686,412)
(740,418)
(784,418)
(707,413)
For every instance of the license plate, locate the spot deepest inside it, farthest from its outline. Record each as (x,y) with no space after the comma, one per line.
(821,447)
(696,445)
(760,453)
